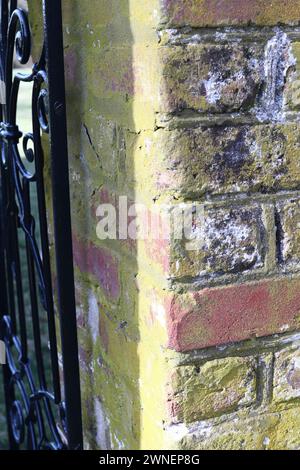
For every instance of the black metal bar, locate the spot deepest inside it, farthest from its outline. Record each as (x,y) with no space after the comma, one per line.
(48,298)
(62,218)
(9,395)
(33,295)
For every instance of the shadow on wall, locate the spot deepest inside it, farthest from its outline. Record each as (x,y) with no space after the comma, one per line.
(100,87)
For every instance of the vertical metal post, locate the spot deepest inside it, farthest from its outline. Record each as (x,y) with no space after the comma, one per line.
(62,220)
(9,396)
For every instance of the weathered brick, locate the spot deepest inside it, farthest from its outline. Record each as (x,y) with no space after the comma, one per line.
(118,78)
(292,86)
(232,241)
(233,313)
(99,263)
(230,12)
(211,389)
(211,78)
(236,76)
(289,233)
(266,431)
(225,159)
(286,384)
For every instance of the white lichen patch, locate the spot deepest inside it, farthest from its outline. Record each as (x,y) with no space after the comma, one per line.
(213,87)
(278,59)
(117,443)
(102,426)
(93,315)
(287,374)
(159,313)
(232,242)
(176,432)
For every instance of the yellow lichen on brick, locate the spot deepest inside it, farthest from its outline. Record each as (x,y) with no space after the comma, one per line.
(171,356)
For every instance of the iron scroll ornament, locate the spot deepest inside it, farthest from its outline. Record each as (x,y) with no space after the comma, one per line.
(38,416)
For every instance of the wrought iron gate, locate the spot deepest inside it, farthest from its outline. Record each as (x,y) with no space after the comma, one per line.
(43,410)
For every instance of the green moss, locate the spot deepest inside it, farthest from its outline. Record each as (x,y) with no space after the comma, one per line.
(213,388)
(248,431)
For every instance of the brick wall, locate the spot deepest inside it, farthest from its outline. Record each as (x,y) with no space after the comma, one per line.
(184,102)
(229,112)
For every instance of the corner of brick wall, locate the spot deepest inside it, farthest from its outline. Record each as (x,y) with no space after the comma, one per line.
(228,138)
(111,69)
(181,102)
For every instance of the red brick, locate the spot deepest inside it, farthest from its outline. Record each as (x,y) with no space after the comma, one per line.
(218,316)
(230,12)
(98,262)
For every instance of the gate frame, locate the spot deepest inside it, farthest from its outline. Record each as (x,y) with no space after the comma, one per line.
(51,68)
